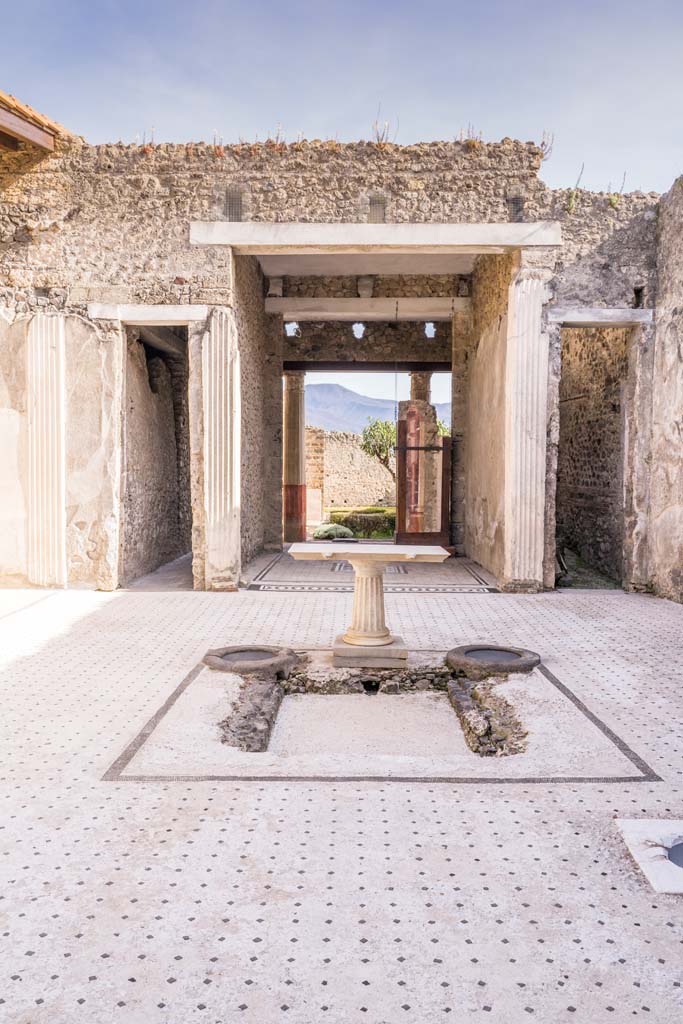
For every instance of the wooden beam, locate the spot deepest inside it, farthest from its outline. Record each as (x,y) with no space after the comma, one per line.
(8,142)
(366,366)
(362,310)
(20,128)
(163,339)
(599,316)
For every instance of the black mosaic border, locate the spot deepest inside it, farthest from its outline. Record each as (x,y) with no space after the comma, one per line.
(261,583)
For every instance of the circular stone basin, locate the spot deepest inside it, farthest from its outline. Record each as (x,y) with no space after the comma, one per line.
(243,660)
(489,654)
(480,660)
(253,655)
(675,854)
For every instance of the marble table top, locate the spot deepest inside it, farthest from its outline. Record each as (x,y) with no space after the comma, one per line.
(343,550)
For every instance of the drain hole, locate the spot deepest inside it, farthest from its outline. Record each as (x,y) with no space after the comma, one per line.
(371,686)
(675,854)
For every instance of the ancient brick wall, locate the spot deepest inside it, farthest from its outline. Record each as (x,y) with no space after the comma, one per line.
(381,342)
(111,222)
(336,464)
(590,492)
(395,286)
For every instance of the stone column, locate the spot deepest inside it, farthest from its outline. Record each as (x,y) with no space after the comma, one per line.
(526,394)
(45,364)
(294,462)
(420,385)
(368,626)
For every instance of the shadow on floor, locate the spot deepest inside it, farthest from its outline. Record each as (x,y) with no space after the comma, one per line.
(581,576)
(176,575)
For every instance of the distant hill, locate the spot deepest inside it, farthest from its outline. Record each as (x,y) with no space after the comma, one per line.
(334,407)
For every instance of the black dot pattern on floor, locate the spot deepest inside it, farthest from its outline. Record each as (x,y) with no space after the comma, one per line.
(350,902)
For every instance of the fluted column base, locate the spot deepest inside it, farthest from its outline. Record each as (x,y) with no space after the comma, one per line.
(368,626)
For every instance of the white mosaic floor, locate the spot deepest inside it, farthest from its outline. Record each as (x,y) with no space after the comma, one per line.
(272,901)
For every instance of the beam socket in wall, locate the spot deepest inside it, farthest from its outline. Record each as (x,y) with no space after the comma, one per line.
(515,205)
(377,208)
(234,206)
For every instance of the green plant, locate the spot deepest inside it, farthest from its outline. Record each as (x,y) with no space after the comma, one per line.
(573,196)
(332,531)
(378,440)
(614,198)
(380,523)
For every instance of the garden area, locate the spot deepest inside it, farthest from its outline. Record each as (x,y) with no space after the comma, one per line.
(372,522)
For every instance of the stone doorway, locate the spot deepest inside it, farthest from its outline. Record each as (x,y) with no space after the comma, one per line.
(341,481)
(156,515)
(590,479)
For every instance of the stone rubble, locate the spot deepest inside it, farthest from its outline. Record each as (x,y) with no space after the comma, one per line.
(489,723)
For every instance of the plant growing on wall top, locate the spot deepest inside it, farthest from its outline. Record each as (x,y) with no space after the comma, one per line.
(614,198)
(471,138)
(573,196)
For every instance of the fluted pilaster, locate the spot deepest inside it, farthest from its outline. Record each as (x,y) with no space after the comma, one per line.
(222,451)
(46,451)
(526,391)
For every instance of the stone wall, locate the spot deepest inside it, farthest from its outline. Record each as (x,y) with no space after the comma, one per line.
(261,382)
(154,518)
(666,484)
(590,477)
(111,222)
(381,342)
(394,286)
(348,477)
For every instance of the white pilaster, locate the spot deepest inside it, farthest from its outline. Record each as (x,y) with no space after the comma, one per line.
(46,451)
(526,390)
(222,430)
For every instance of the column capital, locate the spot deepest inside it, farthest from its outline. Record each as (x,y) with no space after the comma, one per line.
(294,379)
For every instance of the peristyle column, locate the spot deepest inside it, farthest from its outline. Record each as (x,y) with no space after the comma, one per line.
(294,461)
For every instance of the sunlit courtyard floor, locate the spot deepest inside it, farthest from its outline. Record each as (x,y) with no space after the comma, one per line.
(156,897)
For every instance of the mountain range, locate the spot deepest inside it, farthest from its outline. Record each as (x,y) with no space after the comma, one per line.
(334,407)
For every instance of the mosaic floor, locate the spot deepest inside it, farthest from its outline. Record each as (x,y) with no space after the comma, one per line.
(175,901)
(456,576)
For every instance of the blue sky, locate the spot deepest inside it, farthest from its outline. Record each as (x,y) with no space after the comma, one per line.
(605,77)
